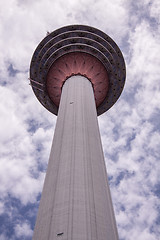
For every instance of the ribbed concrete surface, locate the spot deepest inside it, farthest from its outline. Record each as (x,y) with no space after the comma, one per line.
(75,63)
(76,202)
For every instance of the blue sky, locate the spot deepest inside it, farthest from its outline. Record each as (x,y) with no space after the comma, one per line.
(130,129)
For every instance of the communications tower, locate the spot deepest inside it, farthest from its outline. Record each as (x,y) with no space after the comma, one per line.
(77,72)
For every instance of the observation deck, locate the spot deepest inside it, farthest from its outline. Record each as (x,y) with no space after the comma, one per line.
(77,50)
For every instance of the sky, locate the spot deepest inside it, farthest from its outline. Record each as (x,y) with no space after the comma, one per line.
(130,130)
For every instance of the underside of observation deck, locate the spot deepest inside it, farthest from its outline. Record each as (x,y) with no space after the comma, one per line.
(77,50)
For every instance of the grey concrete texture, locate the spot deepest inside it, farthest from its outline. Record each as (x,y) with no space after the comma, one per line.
(76,202)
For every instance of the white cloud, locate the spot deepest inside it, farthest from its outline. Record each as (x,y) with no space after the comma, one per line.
(23,230)
(130,139)
(2,208)
(154,10)
(3,237)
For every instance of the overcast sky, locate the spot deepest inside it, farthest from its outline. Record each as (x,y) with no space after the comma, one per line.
(130,129)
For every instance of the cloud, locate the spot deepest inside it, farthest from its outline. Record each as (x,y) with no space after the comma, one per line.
(23,230)
(129,130)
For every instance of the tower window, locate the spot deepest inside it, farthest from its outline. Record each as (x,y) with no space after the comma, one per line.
(60,234)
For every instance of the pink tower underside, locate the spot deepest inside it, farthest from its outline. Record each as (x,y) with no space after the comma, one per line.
(75,63)
(76,202)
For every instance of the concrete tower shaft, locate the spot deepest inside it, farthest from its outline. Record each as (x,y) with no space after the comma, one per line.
(77,72)
(76,202)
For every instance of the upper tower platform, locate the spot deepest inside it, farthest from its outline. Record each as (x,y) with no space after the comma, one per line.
(77,50)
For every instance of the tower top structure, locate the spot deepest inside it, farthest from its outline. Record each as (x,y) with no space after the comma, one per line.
(77,50)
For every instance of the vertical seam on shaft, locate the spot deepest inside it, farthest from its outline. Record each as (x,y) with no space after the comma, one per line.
(85,163)
(56,181)
(73,161)
(90,160)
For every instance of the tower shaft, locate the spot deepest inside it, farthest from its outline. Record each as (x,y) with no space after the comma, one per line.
(76,202)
